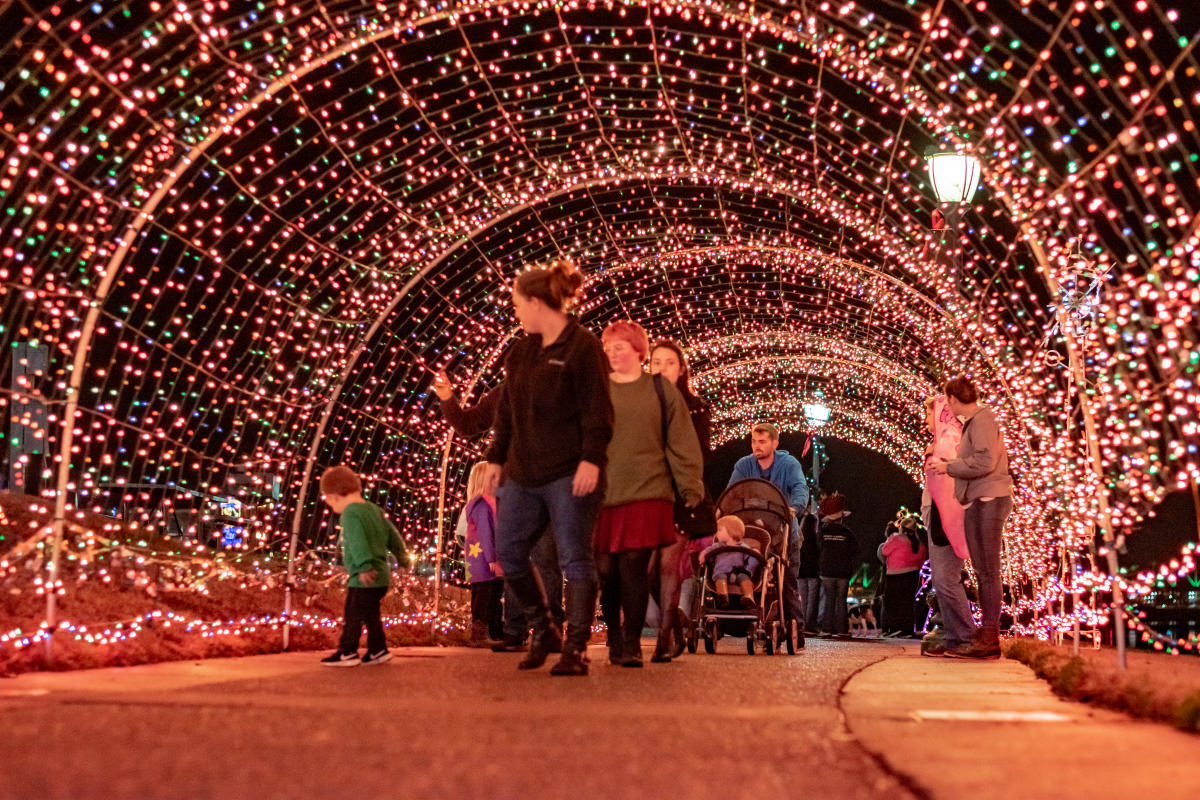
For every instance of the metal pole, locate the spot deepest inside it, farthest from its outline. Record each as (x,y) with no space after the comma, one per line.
(1075,362)
(441,526)
(816,469)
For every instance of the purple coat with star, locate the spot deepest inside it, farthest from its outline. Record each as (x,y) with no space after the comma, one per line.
(480,543)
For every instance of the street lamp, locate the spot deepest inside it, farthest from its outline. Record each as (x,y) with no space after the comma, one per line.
(955,176)
(817,415)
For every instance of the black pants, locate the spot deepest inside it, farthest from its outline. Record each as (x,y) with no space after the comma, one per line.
(485,603)
(362,608)
(898,594)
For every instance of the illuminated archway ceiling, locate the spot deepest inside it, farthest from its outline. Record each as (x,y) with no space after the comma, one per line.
(287,209)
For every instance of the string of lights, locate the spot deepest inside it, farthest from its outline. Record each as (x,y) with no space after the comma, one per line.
(209,206)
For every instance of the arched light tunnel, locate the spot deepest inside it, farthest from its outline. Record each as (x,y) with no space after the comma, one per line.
(238,238)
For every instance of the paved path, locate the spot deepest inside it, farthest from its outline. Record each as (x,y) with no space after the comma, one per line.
(450,723)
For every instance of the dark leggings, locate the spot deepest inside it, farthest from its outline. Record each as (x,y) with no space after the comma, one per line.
(666,564)
(362,608)
(485,604)
(624,586)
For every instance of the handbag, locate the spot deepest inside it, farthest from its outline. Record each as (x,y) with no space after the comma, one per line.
(701,519)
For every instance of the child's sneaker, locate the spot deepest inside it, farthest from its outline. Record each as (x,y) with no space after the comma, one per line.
(748,602)
(377,658)
(340,659)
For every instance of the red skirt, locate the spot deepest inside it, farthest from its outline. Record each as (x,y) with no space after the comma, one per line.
(633,526)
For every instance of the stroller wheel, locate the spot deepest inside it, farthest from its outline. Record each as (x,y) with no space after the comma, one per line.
(710,637)
(750,644)
(794,636)
(775,638)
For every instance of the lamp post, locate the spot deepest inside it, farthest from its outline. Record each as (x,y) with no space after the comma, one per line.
(955,177)
(817,415)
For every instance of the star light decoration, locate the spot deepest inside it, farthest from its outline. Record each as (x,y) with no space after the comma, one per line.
(231,226)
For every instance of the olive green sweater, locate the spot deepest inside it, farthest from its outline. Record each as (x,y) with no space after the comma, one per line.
(640,466)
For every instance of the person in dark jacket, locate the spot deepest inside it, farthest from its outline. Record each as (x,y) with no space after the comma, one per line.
(552,430)
(810,572)
(476,420)
(673,563)
(839,560)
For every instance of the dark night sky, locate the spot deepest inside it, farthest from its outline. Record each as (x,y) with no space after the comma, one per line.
(874,487)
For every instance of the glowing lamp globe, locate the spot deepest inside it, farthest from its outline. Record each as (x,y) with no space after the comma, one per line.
(955,176)
(816,414)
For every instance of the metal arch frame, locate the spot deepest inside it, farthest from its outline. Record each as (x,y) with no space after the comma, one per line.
(146,212)
(865,268)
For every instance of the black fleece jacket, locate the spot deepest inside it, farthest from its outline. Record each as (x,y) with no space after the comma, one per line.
(472,420)
(554,408)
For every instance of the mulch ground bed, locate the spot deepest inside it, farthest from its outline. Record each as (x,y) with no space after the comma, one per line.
(1156,686)
(139,602)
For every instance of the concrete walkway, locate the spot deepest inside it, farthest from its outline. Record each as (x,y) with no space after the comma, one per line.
(840,720)
(963,729)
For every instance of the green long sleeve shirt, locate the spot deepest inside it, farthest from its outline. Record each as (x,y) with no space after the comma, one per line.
(367,538)
(640,465)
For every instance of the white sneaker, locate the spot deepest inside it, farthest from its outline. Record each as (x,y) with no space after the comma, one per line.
(377,658)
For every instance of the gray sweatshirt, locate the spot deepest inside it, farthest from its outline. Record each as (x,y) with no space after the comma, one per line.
(981,469)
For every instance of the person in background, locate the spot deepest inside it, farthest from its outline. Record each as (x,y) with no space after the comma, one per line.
(483,566)
(473,421)
(552,429)
(809,571)
(947,543)
(367,538)
(839,560)
(983,486)
(673,564)
(638,515)
(903,554)
(781,468)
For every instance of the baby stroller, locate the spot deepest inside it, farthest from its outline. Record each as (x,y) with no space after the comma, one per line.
(765,512)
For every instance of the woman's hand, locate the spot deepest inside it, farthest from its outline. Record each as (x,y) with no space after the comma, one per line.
(587,475)
(368,578)
(938,466)
(496,569)
(441,385)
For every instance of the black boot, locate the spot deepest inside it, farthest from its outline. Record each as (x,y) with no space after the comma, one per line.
(679,622)
(581,612)
(527,589)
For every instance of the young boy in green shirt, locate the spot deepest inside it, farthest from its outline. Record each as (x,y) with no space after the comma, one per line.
(367,536)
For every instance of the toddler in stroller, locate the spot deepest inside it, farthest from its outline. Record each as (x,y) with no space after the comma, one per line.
(732,566)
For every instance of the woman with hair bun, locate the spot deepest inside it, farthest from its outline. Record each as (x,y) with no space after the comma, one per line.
(552,429)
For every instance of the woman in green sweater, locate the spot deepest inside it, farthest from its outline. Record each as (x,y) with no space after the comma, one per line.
(637,516)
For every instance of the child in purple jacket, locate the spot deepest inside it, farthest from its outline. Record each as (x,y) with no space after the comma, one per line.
(483,567)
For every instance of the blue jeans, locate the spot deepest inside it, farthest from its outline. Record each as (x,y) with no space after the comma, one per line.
(833,605)
(946,568)
(523,512)
(810,592)
(984,525)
